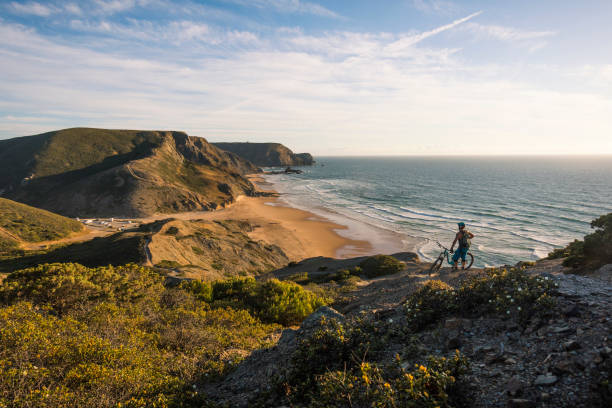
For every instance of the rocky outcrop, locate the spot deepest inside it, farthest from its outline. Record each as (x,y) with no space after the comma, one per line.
(562,358)
(268,154)
(105,173)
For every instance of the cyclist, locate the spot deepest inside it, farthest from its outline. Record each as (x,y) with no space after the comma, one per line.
(463,237)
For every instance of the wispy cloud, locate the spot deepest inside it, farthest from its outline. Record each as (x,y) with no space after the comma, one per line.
(435,6)
(507,33)
(532,40)
(32,8)
(289,6)
(297,90)
(410,40)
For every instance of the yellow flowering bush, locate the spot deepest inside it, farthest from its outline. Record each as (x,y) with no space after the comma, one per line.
(72,336)
(369,385)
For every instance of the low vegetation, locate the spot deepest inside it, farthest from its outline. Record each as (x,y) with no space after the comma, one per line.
(506,292)
(117,337)
(592,252)
(272,301)
(22,223)
(350,363)
(339,365)
(380,265)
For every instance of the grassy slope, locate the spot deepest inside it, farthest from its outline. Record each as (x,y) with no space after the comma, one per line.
(67,150)
(22,223)
(99,172)
(196,249)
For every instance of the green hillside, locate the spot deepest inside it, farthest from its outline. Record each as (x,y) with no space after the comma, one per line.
(22,223)
(100,172)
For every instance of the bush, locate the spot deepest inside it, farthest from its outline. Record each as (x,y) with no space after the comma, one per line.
(434,300)
(114,337)
(172,231)
(380,265)
(272,301)
(67,286)
(594,251)
(333,368)
(505,292)
(370,386)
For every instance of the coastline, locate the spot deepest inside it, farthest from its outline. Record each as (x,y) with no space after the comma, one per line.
(299,233)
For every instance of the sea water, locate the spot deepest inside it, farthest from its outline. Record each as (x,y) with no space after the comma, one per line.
(518,208)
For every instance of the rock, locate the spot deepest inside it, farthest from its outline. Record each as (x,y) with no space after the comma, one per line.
(453,343)
(571,345)
(563,367)
(547,379)
(514,386)
(457,324)
(520,403)
(572,311)
(562,329)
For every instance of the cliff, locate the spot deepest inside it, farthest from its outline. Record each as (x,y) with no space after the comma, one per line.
(267,154)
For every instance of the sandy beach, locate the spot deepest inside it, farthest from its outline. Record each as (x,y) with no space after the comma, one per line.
(300,234)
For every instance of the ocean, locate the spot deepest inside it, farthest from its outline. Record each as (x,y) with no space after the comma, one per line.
(519,208)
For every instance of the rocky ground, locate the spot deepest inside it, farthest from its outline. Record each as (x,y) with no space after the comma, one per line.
(555,360)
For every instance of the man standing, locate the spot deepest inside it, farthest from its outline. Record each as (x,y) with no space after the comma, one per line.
(463,237)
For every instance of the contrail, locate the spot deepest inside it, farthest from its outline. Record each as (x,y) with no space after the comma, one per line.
(414,39)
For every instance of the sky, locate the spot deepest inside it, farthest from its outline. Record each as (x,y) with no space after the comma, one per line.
(336,77)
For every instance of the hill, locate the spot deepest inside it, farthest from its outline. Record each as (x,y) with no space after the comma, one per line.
(20,223)
(99,172)
(183,249)
(268,154)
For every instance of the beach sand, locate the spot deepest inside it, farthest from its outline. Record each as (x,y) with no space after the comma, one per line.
(300,234)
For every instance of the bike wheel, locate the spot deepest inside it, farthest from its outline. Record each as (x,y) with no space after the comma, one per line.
(469,260)
(435,267)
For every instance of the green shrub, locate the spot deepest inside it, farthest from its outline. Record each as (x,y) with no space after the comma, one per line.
(198,251)
(114,337)
(172,231)
(380,265)
(594,251)
(505,292)
(201,290)
(67,286)
(434,300)
(168,264)
(272,300)
(284,302)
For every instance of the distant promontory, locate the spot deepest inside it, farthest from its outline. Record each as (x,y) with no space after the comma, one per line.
(267,154)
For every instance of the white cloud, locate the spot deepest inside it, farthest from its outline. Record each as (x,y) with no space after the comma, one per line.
(73,8)
(300,90)
(289,6)
(509,34)
(434,6)
(172,33)
(114,6)
(32,8)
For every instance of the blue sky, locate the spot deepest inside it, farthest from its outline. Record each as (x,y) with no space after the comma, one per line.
(354,77)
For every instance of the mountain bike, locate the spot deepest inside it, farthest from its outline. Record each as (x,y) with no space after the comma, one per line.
(435,267)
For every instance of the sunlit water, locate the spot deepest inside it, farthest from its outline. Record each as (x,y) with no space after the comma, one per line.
(518,208)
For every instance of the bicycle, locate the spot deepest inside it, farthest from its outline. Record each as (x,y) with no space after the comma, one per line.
(435,267)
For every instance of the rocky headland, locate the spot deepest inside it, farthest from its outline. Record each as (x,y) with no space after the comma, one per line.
(267,154)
